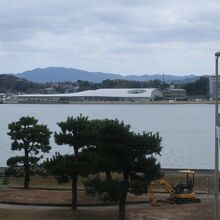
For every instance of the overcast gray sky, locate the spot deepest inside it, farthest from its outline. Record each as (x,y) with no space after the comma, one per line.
(119,36)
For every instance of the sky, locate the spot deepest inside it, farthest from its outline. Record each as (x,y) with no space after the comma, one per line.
(115,36)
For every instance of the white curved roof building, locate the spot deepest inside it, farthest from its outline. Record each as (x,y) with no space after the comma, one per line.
(137,94)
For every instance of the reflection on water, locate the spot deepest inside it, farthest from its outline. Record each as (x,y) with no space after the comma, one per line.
(187,131)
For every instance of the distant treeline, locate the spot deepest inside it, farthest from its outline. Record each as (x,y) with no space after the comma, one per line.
(13,84)
(199,87)
(120,83)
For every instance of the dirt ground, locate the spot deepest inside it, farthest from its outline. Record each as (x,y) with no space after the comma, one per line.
(54,197)
(143,211)
(201,211)
(61,194)
(197,211)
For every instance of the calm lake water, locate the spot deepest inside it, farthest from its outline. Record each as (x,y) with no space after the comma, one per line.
(187,131)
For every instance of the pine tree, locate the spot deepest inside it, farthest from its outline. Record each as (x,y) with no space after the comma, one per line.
(129,156)
(31,138)
(77,133)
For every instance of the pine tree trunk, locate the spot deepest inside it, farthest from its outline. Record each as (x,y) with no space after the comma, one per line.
(108,175)
(26,171)
(74,192)
(74,182)
(26,180)
(122,204)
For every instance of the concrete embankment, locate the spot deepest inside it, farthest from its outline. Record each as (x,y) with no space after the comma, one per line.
(161,102)
(197,171)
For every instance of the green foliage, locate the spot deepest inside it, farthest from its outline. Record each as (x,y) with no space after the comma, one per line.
(106,147)
(78,134)
(127,159)
(31,138)
(129,155)
(75,132)
(199,87)
(13,84)
(27,134)
(108,190)
(10,83)
(121,83)
(112,147)
(61,166)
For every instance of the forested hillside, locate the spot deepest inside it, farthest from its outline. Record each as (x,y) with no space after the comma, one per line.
(13,84)
(120,83)
(199,87)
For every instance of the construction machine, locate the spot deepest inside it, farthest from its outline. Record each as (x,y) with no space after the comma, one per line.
(180,193)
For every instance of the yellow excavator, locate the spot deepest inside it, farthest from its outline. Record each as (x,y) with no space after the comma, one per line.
(181,193)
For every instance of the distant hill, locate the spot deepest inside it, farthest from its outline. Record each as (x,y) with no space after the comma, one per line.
(12,84)
(61,74)
(186,80)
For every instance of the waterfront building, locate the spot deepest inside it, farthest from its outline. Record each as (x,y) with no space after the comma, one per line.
(137,95)
(2,97)
(174,94)
(212,87)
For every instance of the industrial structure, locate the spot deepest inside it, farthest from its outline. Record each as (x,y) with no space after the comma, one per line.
(174,94)
(2,97)
(137,95)
(212,83)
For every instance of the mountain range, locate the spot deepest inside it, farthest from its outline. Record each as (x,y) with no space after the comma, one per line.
(61,74)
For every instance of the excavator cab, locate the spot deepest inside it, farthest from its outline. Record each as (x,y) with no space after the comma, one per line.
(184,191)
(186,187)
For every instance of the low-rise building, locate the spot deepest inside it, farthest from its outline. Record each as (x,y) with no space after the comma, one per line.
(137,95)
(175,94)
(212,87)
(2,97)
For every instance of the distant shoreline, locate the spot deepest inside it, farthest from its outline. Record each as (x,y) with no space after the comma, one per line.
(121,103)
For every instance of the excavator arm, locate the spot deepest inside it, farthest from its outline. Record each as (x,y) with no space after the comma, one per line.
(166,185)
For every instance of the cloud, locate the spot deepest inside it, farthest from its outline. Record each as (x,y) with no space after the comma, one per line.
(113,35)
